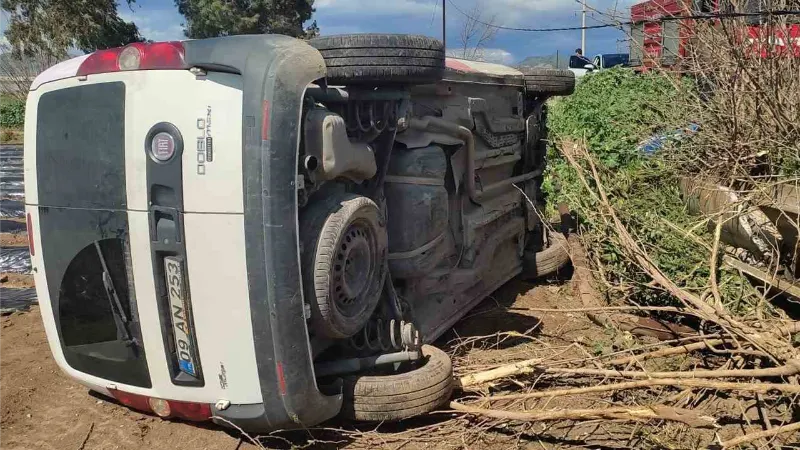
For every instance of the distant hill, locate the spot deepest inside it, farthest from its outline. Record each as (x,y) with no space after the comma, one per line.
(549,61)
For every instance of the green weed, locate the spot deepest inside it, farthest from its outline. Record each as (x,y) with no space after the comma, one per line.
(613,111)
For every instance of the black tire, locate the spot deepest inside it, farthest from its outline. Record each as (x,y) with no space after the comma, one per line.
(340,308)
(547,261)
(377,398)
(374,59)
(549,81)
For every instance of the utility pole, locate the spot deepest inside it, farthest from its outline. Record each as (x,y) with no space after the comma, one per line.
(583,27)
(444,25)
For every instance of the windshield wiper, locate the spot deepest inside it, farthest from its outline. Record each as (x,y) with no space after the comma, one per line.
(120,318)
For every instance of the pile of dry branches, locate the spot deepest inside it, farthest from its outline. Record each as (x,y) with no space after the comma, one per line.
(756,363)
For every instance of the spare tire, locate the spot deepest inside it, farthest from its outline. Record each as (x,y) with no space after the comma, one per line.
(375,59)
(397,396)
(343,262)
(548,81)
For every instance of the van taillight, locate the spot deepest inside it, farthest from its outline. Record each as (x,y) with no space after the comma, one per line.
(196,412)
(29,223)
(136,56)
(137,402)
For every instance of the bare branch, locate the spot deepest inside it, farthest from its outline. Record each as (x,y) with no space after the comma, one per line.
(476,32)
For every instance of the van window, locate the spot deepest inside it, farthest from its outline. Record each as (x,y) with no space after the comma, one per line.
(615,59)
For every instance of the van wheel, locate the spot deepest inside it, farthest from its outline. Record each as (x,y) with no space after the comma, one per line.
(375,59)
(344,260)
(418,388)
(547,261)
(548,81)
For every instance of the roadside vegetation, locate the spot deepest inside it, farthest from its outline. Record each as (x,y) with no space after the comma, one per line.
(12,118)
(609,115)
(686,189)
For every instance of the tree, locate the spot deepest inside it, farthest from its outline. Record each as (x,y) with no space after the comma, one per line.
(211,18)
(18,71)
(477,30)
(53,27)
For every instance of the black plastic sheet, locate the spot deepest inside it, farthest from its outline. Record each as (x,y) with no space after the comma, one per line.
(15,260)
(12,183)
(16,299)
(12,226)
(11,208)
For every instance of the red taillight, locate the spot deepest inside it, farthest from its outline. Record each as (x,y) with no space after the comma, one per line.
(135,401)
(163,55)
(196,412)
(137,56)
(29,223)
(100,62)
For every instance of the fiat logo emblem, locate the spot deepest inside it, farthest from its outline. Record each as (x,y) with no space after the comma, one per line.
(162,147)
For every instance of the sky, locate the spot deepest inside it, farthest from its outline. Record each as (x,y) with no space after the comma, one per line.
(159,20)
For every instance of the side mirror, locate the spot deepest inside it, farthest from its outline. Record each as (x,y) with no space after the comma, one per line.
(589,67)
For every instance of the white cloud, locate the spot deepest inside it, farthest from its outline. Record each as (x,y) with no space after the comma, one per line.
(156,24)
(492,55)
(497,55)
(542,13)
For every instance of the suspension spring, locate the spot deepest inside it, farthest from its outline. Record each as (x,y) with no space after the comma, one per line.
(365,117)
(382,335)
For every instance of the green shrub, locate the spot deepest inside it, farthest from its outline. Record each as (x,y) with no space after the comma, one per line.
(12,113)
(613,111)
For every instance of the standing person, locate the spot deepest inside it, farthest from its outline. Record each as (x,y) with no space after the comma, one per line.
(578,61)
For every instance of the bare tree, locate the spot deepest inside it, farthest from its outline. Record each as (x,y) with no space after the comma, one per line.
(477,30)
(17,72)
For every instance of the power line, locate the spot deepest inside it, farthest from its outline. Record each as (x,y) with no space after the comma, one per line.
(433,14)
(621,24)
(500,27)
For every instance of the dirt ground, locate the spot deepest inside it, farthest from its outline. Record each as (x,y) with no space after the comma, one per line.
(13,239)
(43,409)
(16,280)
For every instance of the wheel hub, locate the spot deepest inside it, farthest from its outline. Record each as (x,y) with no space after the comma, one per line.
(353,268)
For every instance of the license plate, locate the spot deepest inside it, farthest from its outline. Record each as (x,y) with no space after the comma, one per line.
(181,328)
